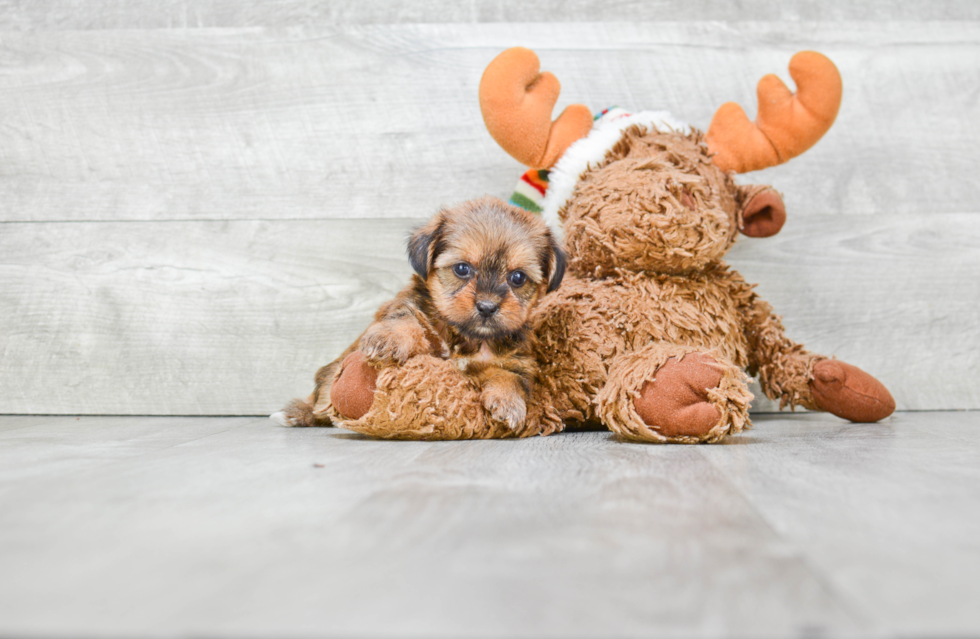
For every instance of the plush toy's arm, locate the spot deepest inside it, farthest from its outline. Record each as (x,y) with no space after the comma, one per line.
(800,378)
(783,367)
(425,398)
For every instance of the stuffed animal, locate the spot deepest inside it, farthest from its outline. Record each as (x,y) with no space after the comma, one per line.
(651,333)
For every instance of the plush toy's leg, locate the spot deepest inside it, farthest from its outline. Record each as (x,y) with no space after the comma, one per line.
(676,394)
(425,398)
(788,372)
(849,392)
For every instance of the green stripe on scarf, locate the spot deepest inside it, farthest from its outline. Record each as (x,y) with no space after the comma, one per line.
(524,202)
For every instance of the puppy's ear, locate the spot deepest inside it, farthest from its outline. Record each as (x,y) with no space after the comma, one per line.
(422,245)
(556,264)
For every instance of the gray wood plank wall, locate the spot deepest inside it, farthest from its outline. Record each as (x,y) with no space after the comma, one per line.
(202,202)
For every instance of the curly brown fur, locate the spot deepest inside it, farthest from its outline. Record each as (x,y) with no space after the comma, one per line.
(652,205)
(481,267)
(646,230)
(428,398)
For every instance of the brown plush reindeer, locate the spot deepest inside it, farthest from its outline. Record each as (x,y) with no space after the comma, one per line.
(651,334)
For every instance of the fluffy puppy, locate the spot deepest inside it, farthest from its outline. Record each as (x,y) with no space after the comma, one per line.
(480,268)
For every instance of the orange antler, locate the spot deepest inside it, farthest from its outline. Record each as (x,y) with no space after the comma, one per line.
(787,124)
(517,100)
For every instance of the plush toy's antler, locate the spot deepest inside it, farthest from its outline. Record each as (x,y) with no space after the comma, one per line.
(516,100)
(787,124)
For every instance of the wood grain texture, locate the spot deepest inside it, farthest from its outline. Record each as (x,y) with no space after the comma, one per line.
(896,295)
(194,219)
(893,527)
(382,120)
(184,14)
(188,318)
(234,317)
(225,527)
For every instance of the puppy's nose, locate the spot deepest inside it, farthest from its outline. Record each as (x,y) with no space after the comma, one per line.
(486,308)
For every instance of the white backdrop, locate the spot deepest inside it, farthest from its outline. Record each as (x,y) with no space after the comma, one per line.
(202,202)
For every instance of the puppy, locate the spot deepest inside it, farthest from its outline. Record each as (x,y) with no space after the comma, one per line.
(480,268)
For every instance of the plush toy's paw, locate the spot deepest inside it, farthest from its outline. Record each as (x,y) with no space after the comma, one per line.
(849,392)
(395,342)
(352,393)
(505,407)
(675,403)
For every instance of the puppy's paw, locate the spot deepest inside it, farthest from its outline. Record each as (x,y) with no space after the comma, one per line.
(505,407)
(393,342)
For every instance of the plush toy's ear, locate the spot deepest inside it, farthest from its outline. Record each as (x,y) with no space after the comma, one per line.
(556,266)
(516,99)
(787,124)
(762,211)
(423,244)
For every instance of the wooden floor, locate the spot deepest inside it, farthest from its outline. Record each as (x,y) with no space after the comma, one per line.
(805,526)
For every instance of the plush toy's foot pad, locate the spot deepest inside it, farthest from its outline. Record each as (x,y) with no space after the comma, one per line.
(352,393)
(849,392)
(673,393)
(675,403)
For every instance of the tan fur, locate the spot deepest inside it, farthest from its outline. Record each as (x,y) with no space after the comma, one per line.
(438,313)
(648,284)
(428,398)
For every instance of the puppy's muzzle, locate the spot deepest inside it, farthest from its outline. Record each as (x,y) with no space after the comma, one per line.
(487,309)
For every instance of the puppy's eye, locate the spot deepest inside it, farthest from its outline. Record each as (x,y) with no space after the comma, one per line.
(462,270)
(517,279)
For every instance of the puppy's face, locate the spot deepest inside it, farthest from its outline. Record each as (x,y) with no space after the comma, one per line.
(485,264)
